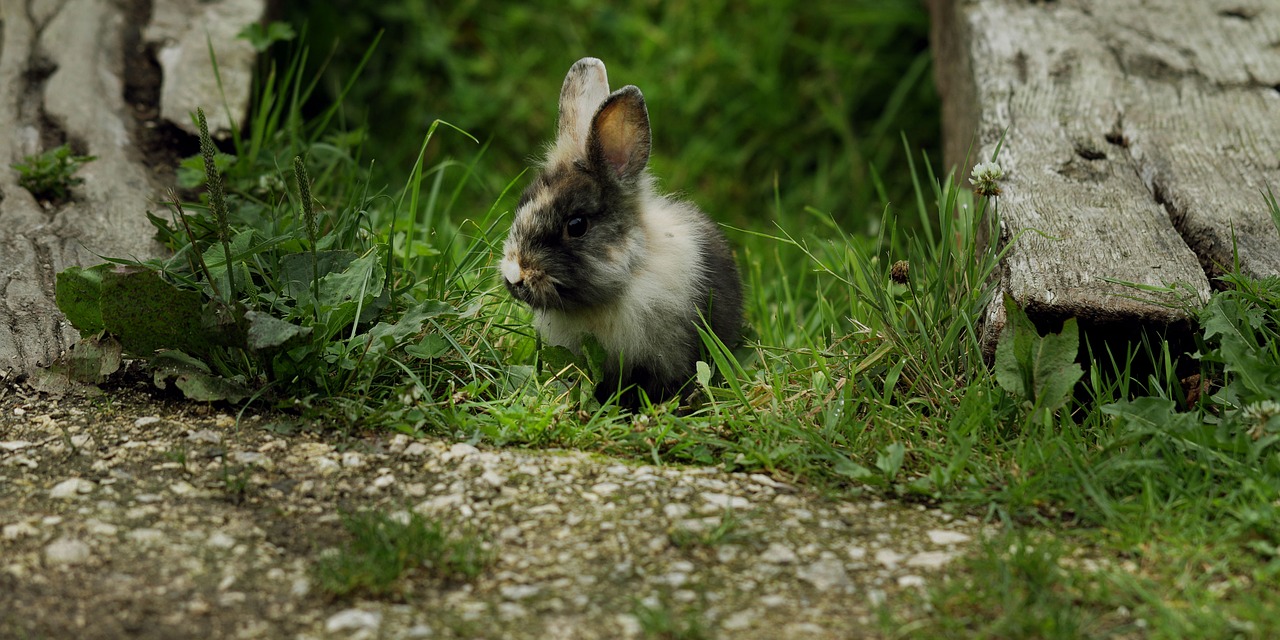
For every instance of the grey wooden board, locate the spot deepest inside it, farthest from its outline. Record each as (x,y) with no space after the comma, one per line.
(62,78)
(1138,135)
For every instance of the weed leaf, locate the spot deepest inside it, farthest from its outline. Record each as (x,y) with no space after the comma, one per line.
(147,314)
(78,294)
(194,378)
(268,332)
(1039,370)
(384,337)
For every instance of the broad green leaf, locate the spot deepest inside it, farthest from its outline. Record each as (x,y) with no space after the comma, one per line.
(147,314)
(595,356)
(354,291)
(556,358)
(194,378)
(1040,370)
(78,294)
(852,470)
(890,460)
(384,337)
(431,346)
(704,374)
(269,332)
(296,273)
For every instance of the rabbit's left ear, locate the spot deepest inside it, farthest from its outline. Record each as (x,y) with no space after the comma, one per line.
(585,87)
(619,139)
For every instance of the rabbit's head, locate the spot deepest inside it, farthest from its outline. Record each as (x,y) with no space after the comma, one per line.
(577,236)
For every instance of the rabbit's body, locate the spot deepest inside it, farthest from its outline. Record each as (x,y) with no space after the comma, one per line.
(594,249)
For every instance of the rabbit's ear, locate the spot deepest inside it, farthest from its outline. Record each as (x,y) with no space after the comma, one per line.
(585,87)
(619,139)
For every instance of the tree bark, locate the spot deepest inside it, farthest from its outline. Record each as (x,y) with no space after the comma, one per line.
(85,72)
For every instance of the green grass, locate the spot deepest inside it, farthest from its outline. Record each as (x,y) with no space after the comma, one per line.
(51,175)
(810,96)
(384,550)
(1125,506)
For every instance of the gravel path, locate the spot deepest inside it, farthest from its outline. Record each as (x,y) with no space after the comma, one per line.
(123,516)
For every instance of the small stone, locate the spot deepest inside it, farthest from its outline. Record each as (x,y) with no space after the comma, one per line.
(738,621)
(942,536)
(824,575)
(605,488)
(910,581)
(145,536)
(416,490)
(18,530)
(930,559)
(253,458)
(102,529)
(224,421)
(725,501)
(182,488)
(493,479)
(207,436)
(353,620)
(856,553)
(773,600)
(628,625)
(14,445)
(778,553)
(19,411)
(675,510)
(519,591)
(67,551)
(71,488)
(352,460)
(146,421)
(419,631)
(459,451)
(326,466)
(888,558)
(382,482)
(220,540)
(510,610)
(415,449)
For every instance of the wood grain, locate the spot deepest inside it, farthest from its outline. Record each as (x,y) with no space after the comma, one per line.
(1137,137)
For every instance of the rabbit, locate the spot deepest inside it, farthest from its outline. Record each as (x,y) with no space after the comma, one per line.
(595,249)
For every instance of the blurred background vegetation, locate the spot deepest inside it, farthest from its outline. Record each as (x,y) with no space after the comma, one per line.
(812,96)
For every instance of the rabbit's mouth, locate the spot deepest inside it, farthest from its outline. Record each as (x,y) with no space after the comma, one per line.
(535,288)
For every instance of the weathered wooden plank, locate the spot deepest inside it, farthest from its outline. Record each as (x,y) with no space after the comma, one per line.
(1138,134)
(65,73)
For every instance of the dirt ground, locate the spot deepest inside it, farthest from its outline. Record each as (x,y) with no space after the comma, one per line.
(128,515)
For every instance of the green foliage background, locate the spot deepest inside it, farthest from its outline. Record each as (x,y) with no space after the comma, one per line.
(810,94)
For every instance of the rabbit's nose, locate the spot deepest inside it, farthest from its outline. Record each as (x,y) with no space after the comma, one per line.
(511,269)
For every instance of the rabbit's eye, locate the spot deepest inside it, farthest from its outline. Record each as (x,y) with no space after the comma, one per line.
(576,227)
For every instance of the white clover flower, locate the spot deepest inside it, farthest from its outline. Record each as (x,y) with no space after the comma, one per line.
(1260,413)
(986,179)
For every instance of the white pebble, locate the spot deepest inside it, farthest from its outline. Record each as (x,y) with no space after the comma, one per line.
(889,558)
(353,620)
(930,559)
(942,536)
(18,530)
(71,488)
(67,551)
(778,554)
(146,421)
